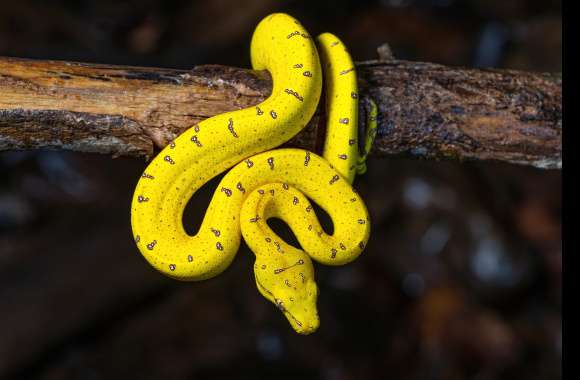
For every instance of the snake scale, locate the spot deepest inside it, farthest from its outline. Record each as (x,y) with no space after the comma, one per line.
(265,183)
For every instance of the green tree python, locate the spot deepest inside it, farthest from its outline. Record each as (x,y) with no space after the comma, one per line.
(265,183)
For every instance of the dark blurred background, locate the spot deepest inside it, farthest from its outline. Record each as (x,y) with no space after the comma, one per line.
(461,278)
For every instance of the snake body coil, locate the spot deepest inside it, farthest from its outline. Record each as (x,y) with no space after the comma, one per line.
(263,184)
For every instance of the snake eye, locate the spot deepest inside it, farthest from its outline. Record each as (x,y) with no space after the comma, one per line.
(279,304)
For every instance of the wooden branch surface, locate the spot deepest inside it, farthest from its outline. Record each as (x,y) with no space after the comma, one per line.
(425,110)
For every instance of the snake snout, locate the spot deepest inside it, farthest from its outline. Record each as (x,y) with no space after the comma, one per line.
(303,315)
(309,325)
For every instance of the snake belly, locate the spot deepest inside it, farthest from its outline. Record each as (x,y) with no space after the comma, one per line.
(263,185)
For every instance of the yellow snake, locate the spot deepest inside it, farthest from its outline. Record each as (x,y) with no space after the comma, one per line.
(264,183)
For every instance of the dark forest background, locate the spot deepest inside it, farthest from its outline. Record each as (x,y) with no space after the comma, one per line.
(461,278)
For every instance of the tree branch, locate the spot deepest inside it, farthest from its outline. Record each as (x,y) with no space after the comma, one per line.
(425,110)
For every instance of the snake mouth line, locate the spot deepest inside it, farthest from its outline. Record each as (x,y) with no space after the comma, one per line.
(278,303)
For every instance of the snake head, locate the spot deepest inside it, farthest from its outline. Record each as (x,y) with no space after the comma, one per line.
(292,290)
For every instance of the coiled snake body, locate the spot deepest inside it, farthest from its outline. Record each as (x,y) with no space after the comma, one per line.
(264,184)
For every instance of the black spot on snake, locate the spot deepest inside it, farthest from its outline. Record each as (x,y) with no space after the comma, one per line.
(196,140)
(294,93)
(231,127)
(295,33)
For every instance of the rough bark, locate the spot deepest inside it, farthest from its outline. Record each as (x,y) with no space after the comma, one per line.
(425,110)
